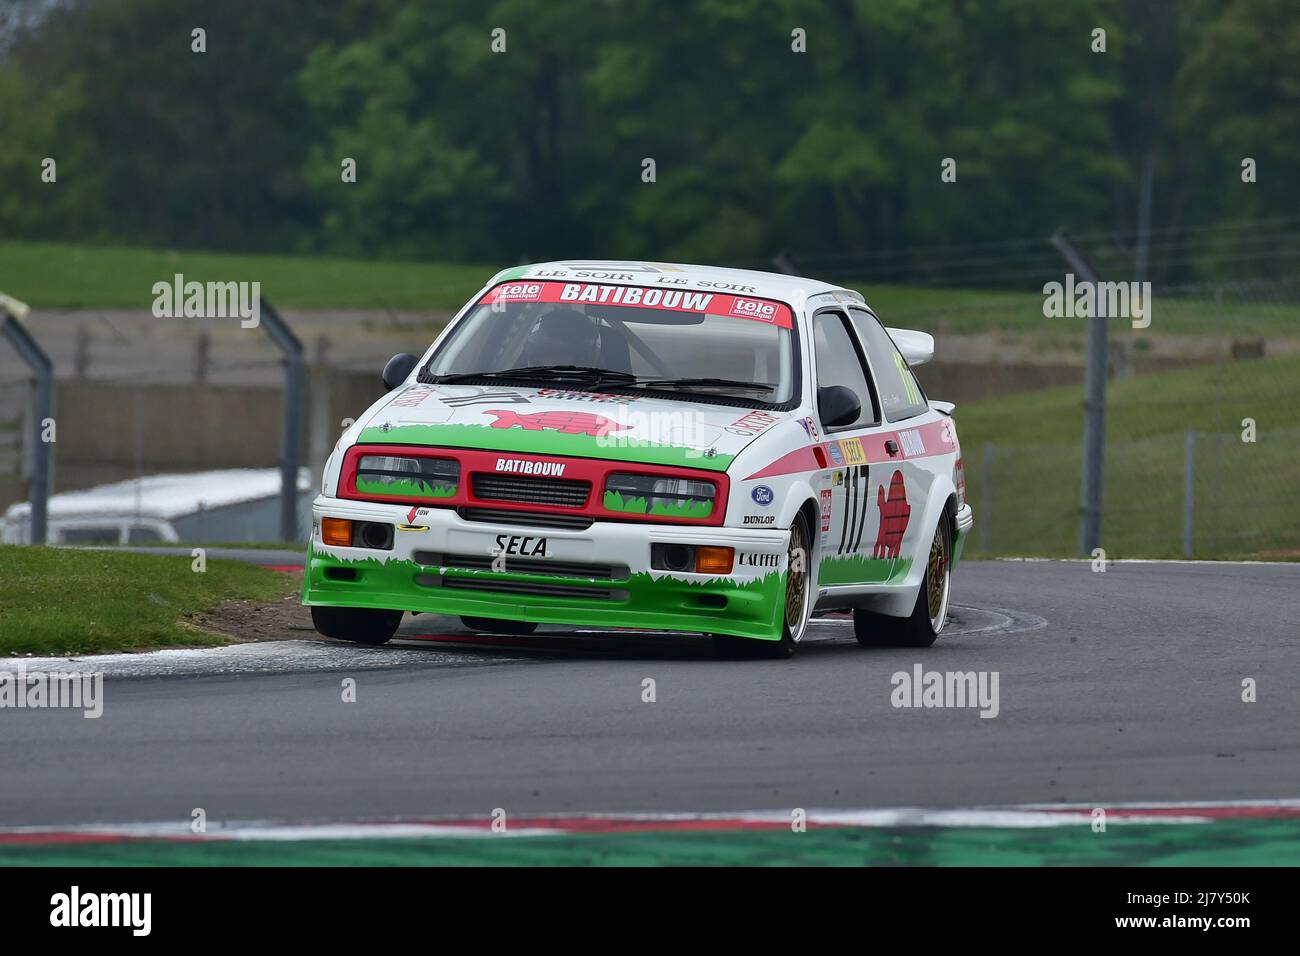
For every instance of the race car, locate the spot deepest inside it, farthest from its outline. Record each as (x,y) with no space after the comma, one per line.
(679,448)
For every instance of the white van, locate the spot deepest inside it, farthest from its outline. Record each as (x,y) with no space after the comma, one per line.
(231,505)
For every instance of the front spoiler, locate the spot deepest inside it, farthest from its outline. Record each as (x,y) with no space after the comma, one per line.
(750,605)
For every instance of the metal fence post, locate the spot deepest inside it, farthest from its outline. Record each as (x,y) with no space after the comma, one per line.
(291,419)
(1094,400)
(202,358)
(11,310)
(81,360)
(1189,490)
(986,498)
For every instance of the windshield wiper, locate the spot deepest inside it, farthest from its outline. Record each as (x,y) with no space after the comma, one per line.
(577,374)
(692,383)
(590,376)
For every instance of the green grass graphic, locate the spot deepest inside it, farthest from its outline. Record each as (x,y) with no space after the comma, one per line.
(411,487)
(614,501)
(859,569)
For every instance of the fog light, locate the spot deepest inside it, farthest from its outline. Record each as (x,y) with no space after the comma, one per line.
(374,534)
(679,557)
(336,531)
(714,560)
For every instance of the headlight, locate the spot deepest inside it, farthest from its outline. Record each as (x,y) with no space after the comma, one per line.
(407,477)
(653,495)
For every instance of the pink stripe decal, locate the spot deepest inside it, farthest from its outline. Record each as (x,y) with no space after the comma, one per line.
(936,438)
(801,459)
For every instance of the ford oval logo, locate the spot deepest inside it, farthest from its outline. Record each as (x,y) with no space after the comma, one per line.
(763,495)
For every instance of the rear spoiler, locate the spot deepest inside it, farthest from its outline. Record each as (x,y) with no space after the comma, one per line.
(917,347)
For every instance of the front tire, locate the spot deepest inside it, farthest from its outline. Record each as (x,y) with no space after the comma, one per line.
(798,605)
(360,625)
(922,626)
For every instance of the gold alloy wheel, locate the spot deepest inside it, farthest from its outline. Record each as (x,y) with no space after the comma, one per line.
(796,581)
(937,577)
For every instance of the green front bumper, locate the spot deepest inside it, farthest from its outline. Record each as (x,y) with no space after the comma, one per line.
(752,608)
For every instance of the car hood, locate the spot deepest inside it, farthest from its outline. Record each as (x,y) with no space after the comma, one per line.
(558,421)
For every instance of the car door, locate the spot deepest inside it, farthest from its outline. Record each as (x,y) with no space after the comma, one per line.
(908,451)
(849,518)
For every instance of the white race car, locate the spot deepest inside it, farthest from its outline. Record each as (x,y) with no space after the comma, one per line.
(645,445)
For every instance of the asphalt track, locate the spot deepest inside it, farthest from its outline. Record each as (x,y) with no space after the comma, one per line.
(1116,686)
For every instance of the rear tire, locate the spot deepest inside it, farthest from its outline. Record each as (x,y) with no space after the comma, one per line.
(797,608)
(492,625)
(922,626)
(360,625)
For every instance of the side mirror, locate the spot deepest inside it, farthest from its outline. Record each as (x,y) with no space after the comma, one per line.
(398,369)
(838,405)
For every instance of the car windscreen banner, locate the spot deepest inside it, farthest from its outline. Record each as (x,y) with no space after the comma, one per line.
(643,297)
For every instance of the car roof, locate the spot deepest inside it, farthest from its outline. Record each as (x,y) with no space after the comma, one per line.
(166,496)
(772,285)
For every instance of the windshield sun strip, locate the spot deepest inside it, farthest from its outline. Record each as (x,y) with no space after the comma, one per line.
(796,384)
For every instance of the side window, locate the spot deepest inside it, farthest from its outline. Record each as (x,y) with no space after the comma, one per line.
(91,536)
(839,362)
(900,393)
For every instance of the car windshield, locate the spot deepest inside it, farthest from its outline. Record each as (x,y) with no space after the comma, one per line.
(706,344)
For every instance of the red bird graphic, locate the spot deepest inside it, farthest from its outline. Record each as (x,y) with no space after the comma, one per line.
(568,423)
(894,515)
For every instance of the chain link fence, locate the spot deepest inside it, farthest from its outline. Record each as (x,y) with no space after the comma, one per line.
(13,395)
(1197,494)
(1201,447)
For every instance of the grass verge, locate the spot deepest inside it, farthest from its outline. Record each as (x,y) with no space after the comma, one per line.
(66,601)
(59,275)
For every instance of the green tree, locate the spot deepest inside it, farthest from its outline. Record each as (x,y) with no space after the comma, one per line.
(38,124)
(466,152)
(196,149)
(1238,94)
